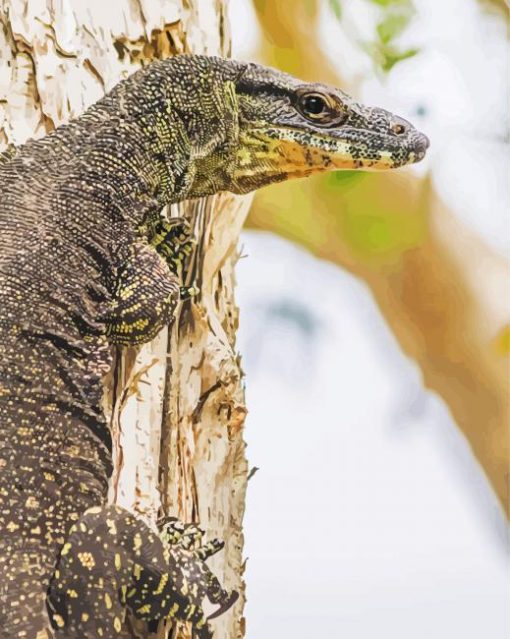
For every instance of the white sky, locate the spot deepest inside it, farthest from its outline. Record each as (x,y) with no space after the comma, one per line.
(368,516)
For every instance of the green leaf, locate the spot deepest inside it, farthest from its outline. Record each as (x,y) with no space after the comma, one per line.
(390,3)
(392,26)
(391,57)
(342,178)
(386,56)
(336,7)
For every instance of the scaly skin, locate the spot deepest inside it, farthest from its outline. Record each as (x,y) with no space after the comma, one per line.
(78,273)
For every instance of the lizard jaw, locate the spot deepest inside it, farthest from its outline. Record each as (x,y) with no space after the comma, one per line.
(273,154)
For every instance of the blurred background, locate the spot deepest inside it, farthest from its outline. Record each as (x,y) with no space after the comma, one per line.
(375,335)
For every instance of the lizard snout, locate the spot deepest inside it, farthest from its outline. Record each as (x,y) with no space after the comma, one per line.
(420,144)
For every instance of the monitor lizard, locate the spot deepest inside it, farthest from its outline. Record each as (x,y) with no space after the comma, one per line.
(87,261)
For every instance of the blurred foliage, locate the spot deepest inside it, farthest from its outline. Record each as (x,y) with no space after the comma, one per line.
(395,17)
(336,7)
(501,342)
(502,6)
(392,231)
(348,217)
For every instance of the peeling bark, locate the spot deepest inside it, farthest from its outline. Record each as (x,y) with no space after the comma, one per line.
(177,404)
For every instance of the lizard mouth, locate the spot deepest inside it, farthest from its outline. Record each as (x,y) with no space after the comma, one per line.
(277,153)
(348,148)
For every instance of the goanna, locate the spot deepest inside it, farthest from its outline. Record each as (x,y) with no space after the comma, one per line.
(78,272)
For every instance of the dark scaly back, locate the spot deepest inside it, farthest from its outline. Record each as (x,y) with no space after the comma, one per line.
(57,245)
(69,208)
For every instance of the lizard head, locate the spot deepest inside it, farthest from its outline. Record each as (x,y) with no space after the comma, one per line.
(291,129)
(239,126)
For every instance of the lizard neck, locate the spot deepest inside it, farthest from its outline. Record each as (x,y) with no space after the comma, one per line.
(162,137)
(129,170)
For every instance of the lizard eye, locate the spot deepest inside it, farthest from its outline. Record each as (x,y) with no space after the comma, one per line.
(319,108)
(313,105)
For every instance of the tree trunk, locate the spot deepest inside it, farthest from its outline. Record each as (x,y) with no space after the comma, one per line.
(177,404)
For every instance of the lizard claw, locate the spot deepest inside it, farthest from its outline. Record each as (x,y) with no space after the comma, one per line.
(187,292)
(234,596)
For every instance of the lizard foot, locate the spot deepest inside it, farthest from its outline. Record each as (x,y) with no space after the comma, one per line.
(145,298)
(173,240)
(174,532)
(191,580)
(112,562)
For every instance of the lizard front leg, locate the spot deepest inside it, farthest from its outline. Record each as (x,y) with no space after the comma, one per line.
(145,298)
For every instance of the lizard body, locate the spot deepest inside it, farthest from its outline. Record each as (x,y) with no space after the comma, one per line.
(78,272)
